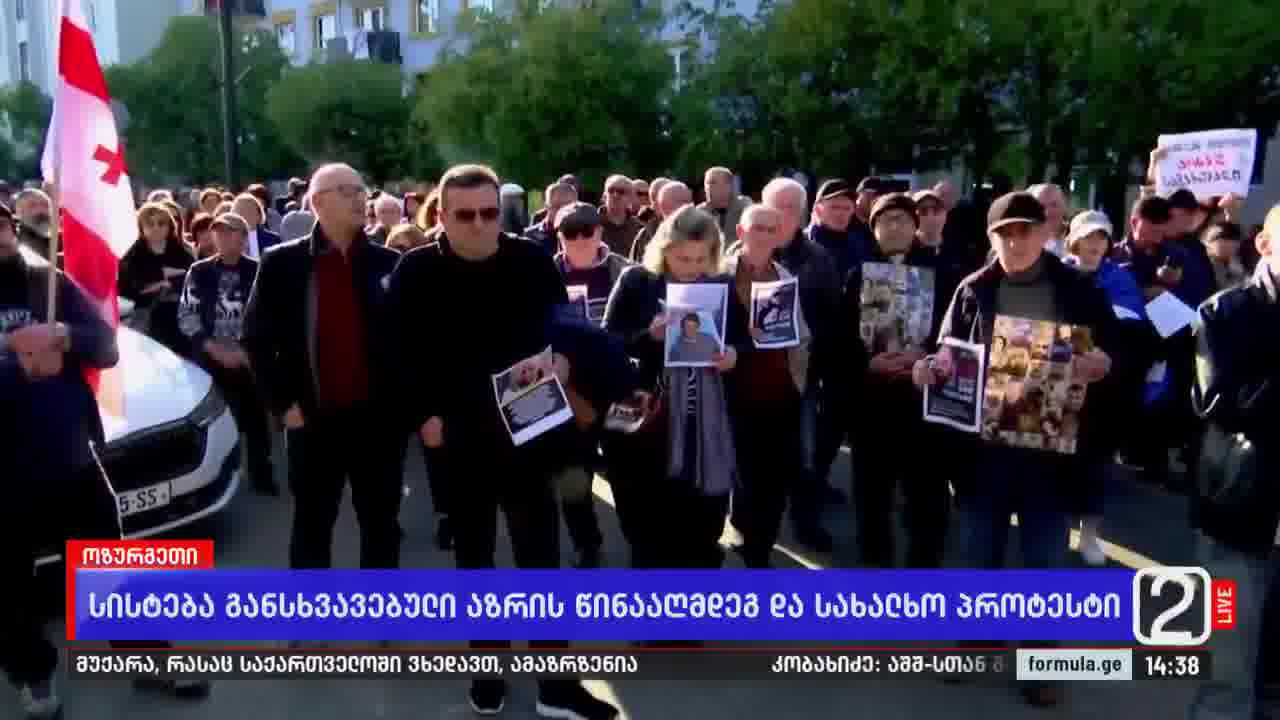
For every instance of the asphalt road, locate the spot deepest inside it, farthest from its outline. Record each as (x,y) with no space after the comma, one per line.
(253,532)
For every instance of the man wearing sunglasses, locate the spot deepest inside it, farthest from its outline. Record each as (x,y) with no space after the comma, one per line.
(316,334)
(620,226)
(500,293)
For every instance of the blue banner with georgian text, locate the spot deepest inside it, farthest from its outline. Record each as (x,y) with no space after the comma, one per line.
(604,605)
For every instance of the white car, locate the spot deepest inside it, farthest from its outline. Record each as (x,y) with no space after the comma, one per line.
(174,456)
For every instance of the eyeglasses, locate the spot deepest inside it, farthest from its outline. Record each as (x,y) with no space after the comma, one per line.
(346,191)
(582,231)
(764,229)
(618,191)
(468,215)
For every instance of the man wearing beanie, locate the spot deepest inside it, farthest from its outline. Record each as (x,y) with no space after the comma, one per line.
(888,452)
(991,480)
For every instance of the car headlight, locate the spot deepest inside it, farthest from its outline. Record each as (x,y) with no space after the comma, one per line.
(209,409)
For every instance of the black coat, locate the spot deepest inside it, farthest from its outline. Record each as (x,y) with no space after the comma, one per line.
(280,321)
(1238,391)
(971,317)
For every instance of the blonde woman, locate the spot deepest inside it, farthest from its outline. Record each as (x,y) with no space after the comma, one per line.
(671,479)
(405,237)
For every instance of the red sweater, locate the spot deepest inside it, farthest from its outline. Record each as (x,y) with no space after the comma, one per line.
(342,361)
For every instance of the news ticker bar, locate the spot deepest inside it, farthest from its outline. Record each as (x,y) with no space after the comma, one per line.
(745,664)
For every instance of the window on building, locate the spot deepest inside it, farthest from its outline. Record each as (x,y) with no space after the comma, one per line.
(323,29)
(371,19)
(20,10)
(285,35)
(426,17)
(479,5)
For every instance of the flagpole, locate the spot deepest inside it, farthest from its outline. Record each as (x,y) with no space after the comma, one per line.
(55,235)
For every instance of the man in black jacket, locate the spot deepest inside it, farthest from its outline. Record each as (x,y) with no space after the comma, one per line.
(260,239)
(315,329)
(994,480)
(825,407)
(1237,509)
(475,276)
(211,314)
(51,431)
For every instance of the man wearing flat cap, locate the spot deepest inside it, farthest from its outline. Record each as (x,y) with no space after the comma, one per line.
(992,481)
(211,314)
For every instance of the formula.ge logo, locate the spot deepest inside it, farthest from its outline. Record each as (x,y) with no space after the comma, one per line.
(1180,606)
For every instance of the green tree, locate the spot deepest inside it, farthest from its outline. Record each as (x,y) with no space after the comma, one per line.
(542,92)
(352,111)
(26,112)
(173,97)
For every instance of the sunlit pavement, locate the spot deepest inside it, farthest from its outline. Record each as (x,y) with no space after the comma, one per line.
(253,532)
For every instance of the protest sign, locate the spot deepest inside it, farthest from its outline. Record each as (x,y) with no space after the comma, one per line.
(1209,163)
(774,320)
(530,398)
(897,307)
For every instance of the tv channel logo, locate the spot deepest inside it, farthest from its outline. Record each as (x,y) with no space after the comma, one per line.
(1180,606)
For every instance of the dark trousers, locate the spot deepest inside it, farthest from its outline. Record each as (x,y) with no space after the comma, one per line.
(769,466)
(241,393)
(823,427)
(526,496)
(437,479)
(573,485)
(906,458)
(325,452)
(668,521)
(80,506)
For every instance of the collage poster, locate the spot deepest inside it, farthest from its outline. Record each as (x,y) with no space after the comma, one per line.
(1031,400)
(897,307)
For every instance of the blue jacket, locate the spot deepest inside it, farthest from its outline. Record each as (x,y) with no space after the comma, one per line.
(1120,286)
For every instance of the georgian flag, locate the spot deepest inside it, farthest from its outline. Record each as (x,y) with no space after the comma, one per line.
(92,180)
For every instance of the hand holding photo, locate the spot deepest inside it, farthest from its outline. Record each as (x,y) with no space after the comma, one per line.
(696,317)
(774,320)
(579,302)
(530,397)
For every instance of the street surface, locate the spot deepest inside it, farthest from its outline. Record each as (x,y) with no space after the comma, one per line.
(1142,525)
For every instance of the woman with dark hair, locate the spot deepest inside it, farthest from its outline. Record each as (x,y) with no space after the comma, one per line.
(202,236)
(151,276)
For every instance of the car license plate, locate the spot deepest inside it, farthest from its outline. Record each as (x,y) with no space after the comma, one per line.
(133,502)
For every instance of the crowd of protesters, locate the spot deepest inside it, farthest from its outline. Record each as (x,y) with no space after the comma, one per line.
(307,310)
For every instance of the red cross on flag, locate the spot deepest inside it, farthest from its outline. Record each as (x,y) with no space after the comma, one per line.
(83,157)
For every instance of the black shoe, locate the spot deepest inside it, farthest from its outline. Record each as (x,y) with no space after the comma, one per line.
(488,695)
(444,533)
(588,559)
(181,688)
(568,700)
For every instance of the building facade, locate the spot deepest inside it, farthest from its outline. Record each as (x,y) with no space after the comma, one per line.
(123,32)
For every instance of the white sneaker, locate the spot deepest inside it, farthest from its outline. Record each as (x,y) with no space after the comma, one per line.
(40,702)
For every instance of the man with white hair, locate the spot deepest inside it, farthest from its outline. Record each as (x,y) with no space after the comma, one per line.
(723,200)
(1055,211)
(388,211)
(316,333)
(820,293)
(673,196)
